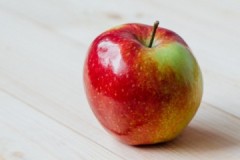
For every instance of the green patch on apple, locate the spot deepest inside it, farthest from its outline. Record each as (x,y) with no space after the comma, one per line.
(178,57)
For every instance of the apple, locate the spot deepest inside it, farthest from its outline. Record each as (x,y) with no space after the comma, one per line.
(142,82)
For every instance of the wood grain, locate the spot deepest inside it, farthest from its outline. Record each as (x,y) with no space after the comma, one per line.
(44,113)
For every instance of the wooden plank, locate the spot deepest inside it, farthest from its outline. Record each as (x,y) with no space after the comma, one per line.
(27,134)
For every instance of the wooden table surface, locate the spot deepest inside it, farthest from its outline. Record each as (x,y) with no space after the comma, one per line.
(44,114)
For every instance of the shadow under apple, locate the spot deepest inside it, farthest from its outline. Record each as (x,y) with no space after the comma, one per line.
(194,140)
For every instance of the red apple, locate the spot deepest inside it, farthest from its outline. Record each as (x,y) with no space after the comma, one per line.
(142,92)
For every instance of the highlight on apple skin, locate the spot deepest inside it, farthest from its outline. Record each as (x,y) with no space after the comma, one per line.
(141,94)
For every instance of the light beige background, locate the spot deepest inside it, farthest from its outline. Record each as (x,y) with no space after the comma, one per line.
(43,109)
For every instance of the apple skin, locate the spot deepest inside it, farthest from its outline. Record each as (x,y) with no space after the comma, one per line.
(142,95)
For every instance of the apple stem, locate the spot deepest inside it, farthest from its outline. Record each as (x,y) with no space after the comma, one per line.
(155,26)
